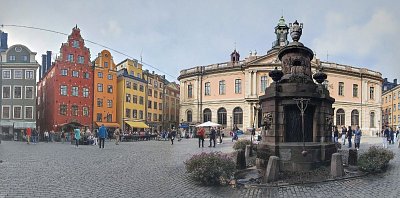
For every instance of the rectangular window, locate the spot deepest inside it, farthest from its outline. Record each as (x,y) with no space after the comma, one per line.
(18,74)
(99,117)
(5,112)
(394,107)
(141,100)
(371,93)
(70,58)
(74,109)
(24,58)
(155,84)
(85,111)
(75,91)
(160,106)
(264,83)
(138,75)
(134,99)
(222,87)
(63,90)
(7,92)
(29,74)
(128,113)
(128,84)
(128,98)
(17,112)
(149,104)
(398,106)
(63,109)
(29,92)
(99,102)
(154,117)
(160,117)
(109,88)
(100,87)
(105,64)
(355,90)
(238,86)
(190,91)
(86,75)
(207,89)
(64,72)
(75,74)
(100,74)
(6,74)
(17,92)
(28,112)
(109,117)
(149,116)
(109,103)
(81,59)
(150,92)
(12,58)
(75,44)
(155,94)
(134,113)
(155,105)
(140,114)
(85,92)
(341,89)
(134,86)
(109,77)
(141,88)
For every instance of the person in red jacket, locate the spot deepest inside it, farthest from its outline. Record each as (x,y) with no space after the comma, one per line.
(28,134)
(200,135)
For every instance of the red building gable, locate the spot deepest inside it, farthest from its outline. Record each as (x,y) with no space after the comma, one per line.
(65,93)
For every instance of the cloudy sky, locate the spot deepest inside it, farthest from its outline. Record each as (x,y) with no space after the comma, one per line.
(179,34)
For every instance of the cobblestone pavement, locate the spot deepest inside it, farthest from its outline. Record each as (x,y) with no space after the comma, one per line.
(150,169)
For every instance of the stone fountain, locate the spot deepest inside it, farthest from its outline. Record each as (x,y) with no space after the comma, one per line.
(297,112)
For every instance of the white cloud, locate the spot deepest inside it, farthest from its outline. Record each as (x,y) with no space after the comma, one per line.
(112,28)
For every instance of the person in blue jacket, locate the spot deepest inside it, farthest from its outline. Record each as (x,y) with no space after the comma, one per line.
(77,133)
(102,135)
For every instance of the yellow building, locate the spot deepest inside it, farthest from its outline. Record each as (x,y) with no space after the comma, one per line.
(105,93)
(154,108)
(131,105)
(391,107)
(171,105)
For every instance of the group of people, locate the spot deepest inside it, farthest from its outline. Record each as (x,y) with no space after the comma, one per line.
(214,133)
(348,133)
(389,136)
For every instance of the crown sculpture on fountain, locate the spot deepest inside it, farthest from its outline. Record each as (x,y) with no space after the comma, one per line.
(296,30)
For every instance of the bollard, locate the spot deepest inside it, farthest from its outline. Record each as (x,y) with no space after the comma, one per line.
(272,171)
(247,154)
(241,160)
(353,157)
(337,165)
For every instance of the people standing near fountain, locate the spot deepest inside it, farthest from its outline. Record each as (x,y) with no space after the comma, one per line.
(349,135)
(344,133)
(335,134)
(357,137)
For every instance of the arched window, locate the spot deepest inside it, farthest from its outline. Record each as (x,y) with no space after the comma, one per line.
(354,117)
(237,115)
(340,121)
(372,120)
(206,115)
(189,116)
(221,116)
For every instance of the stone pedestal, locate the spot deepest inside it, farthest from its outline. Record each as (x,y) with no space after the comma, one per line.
(247,154)
(272,172)
(337,165)
(240,160)
(353,155)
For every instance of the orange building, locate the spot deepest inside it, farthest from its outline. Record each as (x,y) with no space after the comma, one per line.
(105,91)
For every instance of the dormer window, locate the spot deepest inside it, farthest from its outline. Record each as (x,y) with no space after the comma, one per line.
(75,44)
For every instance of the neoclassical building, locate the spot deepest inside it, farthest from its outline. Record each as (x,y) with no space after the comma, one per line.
(228,93)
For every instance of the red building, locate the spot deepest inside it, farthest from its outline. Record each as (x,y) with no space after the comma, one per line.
(65,93)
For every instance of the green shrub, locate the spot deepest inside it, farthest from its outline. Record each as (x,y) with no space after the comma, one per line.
(264,154)
(210,168)
(375,159)
(241,144)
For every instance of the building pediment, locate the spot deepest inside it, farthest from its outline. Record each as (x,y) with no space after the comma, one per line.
(268,59)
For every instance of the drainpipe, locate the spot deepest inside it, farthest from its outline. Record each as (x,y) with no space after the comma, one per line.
(201,93)
(361,102)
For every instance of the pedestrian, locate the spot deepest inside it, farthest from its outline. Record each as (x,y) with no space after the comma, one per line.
(173,135)
(391,135)
(219,135)
(77,135)
(102,135)
(63,136)
(386,137)
(117,135)
(335,134)
(46,136)
(212,136)
(28,135)
(34,136)
(200,135)
(344,133)
(349,135)
(357,138)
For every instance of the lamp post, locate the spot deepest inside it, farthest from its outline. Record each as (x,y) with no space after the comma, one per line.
(302,104)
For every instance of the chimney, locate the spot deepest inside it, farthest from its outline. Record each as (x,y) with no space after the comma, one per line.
(44,67)
(385,80)
(3,41)
(395,81)
(48,61)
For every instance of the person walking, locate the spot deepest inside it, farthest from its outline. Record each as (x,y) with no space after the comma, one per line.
(219,135)
(344,133)
(77,133)
(28,135)
(117,134)
(391,135)
(200,135)
(173,135)
(335,134)
(102,135)
(34,136)
(349,135)
(386,137)
(46,136)
(212,137)
(357,138)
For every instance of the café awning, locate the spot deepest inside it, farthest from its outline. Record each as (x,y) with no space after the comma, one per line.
(140,125)
(24,125)
(108,124)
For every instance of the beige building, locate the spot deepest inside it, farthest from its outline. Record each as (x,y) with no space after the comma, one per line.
(226,93)
(391,107)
